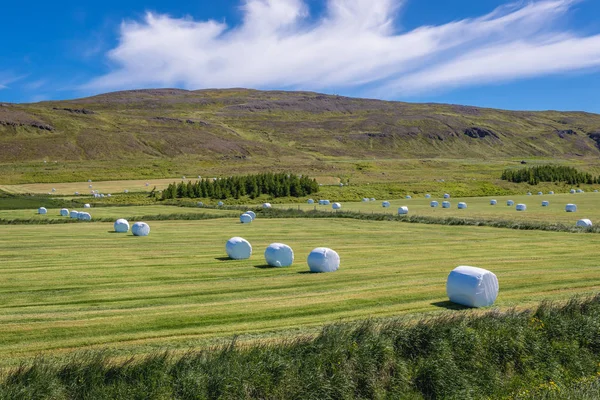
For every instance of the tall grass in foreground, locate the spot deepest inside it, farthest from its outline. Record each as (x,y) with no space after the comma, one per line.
(552,352)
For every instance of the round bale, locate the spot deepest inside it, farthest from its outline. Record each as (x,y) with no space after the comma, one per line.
(385,204)
(252,214)
(121,226)
(403,210)
(323,259)
(427,196)
(472,286)
(42,210)
(462,205)
(373,199)
(545,203)
(83,216)
(200,204)
(245,218)
(86,206)
(408,197)
(521,207)
(572,191)
(434,204)
(310,201)
(365,199)
(140,229)
(266,205)
(74,214)
(528,193)
(336,206)
(493,202)
(446,196)
(279,255)
(510,203)
(446,204)
(551,192)
(570,208)
(586,223)
(579,191)
(540,193)
(64,212)
(238,248)
(220,204)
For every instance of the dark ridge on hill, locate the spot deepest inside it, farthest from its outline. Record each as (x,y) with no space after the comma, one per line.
(246,125)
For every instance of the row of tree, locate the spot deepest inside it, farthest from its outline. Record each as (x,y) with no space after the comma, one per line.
(549,173)
(275,185)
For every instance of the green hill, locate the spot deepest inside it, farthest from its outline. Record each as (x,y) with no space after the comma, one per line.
(249,129)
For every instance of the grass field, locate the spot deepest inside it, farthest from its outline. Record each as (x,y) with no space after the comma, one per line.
(68,287)
(588,206)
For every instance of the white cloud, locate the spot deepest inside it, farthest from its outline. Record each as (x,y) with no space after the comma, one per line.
(7,77)
(353,44)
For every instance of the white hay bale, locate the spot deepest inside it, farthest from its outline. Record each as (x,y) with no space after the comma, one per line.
(545,203)
(126,191)
(521,207)
(373,199)
(462,205)
(310,201)
(238,248)
(446,196)
(86,205)
(200,204)
(279,255)
(446,204)
(108,195)
(220,204)
(584,223)
(53,190)
(385,204)
(571,208)
(472,286)
(246,218)
(64,212)
(83,216)
(74,214)
(408,197)
(336,206)
(365,199)
(121,225)
(42,210)
(183,177)
(427,196)
(493,202)
(76,193)
(434,204)
(510,203)
(140,229)
(551,192)
(323,259)
(596,191)
(403,210)
(341,184)
(147,184)
(540,193)
(89,180)
(528,193)
(268,205)
(579,191)
(252,214)
(572,191)
(90,186)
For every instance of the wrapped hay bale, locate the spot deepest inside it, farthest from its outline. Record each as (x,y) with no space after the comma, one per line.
(385,204)
(140,229)
(121,225)
(446,196)
(586,223)
(86,206)
(493,202)
(572,191)
(64,212)
(570,208)
(427,196)
(551,192)
(220,204)
(279,255)
(545,203)
(336,206)
(403,210)
(528,193)
(200,204)
(252,214)
(83,216)
(521,207)
(579,191)
(373,199)
(365,199)
(462,205)
(408,197)
(472,286)
(446,204)
(245,218)
(310,201)
(42,211)
(238,248)
(540,193)
(510,203)
(268,205)
(74,214)
(323,259)
(434,204)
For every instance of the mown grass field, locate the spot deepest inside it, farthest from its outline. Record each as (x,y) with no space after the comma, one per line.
(67,287)
(588,206)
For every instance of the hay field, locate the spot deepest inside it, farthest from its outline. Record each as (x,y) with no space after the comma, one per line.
(588,206)
(67,287)
(68,188)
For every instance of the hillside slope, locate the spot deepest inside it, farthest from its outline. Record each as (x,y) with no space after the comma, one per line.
(250,125)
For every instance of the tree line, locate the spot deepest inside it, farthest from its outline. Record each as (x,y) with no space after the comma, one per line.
(275,185)
(549,173)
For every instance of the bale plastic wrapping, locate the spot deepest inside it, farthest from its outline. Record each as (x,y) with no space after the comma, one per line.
(403,210)
(434,204)
(570,208)
(323,259)
(238,248)
(140,229)
(385,204)
(584,223)
(279,255)
(121,225)
(493,202)
(521,207)
(545,203)
(445,204)
(472,286)
(245,218)
(64,212)
(462,205)
(42,210)
(336,206)
(252,214)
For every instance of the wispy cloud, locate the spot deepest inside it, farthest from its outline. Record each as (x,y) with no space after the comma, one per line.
(353,44)
(7,78)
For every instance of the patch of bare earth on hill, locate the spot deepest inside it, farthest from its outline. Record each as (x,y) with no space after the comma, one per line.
(14,118)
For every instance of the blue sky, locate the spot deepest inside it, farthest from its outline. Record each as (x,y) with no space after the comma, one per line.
(534,54)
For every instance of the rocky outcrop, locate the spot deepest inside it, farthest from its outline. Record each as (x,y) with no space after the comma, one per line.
(480,133)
